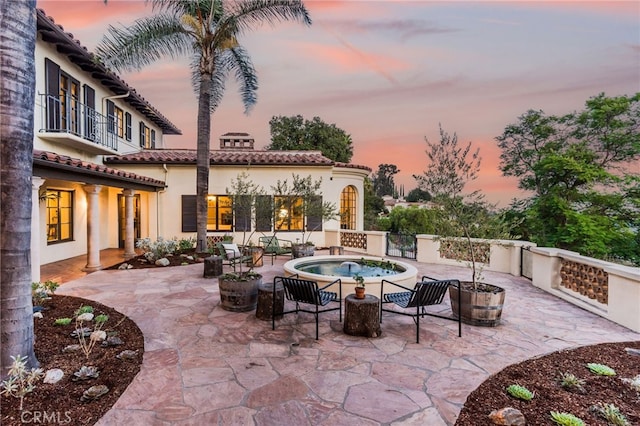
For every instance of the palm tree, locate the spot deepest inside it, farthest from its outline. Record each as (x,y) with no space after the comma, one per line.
(207,31)
(17,85)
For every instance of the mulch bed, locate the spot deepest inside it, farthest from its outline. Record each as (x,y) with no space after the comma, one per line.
(60,402)
(541,376)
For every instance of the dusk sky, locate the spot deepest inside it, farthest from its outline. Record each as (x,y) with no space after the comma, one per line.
(387,72)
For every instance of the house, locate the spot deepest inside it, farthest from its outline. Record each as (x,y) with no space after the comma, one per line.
(103,177)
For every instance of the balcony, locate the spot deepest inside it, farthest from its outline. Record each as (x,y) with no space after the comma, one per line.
(65,120)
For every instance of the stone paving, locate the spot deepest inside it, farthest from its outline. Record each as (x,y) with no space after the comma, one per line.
(204,365)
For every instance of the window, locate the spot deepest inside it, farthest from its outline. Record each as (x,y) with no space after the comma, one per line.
(119,116)
(59,216)
(147,136)
(69,104)
(63,100)
(288,213)
(219,213)
(348,208)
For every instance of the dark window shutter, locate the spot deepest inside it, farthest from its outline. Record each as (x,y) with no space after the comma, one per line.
(153,138)
(314,214)
(52,71)
(189,213)
(89,113)
(111,117)
(242,212)
(142,141)
(264,213)
(127,123)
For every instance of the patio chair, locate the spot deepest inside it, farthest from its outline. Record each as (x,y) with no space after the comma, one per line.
(273,246)
(307,293)
(231,254)
(428,291)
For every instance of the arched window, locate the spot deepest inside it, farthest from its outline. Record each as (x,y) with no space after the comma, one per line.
(348,208)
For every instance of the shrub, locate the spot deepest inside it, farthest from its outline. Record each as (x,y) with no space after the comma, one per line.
(185,244)
(520,392)
(20,381)
(154,250)
(41,291)
(610,413)
(601,369)
(571,382)
(566,419)
(62,321)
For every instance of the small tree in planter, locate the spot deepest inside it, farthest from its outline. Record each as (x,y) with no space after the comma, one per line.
(239,289)
(466,216)
(301,200)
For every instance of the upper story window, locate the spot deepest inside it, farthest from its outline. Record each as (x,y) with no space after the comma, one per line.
(147,136)
(119,114)
(59,216)
(348,208)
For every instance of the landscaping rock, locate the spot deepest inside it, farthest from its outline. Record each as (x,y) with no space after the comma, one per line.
(162,262)
(125,266)
(71,348)
(508,416)
(112,341)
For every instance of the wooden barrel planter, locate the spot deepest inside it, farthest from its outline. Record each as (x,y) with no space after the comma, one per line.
(481,307)
(239,295)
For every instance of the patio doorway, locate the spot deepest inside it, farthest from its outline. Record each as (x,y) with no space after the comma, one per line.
(121,219)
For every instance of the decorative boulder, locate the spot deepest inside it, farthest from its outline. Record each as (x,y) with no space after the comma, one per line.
(162,262)
(508,416)
(53,376)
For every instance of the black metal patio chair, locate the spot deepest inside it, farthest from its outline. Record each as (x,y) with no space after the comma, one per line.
(274,247)
(308,294)
(427,292)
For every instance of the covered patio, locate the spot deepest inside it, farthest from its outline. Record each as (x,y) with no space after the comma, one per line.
(205,365)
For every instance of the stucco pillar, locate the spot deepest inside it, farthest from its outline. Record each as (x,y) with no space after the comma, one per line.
(129,237)
(36,236)
(93,228)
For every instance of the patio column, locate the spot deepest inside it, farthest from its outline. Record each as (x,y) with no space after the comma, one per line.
(93,228)
(36,236)
(129,237)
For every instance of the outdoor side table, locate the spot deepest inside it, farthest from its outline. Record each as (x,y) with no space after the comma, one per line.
(336,250)
(212,266)
(265,301)
(362,316)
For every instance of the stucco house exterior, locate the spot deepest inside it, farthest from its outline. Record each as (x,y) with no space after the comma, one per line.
(103,177)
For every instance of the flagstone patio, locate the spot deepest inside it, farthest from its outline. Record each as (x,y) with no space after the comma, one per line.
(204,365)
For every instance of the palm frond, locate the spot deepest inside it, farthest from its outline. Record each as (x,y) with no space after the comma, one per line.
(144,42)
(245,73)
(249,13)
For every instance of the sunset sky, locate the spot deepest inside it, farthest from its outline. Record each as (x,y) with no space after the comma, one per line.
(387,72)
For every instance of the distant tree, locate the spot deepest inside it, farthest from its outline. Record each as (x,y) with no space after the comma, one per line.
(373,207)
(414,220)
(418,195)
(582,170)
(383,183)
(296,133)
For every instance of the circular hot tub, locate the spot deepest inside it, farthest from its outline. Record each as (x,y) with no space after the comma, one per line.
(325,269)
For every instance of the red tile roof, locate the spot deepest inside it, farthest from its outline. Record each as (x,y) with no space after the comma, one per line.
(224,157)
(88,62)
(47,161)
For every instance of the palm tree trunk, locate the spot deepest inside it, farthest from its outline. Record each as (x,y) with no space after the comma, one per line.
(17,85)
(203,161)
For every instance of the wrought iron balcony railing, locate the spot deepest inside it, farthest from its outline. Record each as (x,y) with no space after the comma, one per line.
(66,115)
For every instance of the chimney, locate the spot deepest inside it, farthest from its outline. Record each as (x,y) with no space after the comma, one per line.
(236,141)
